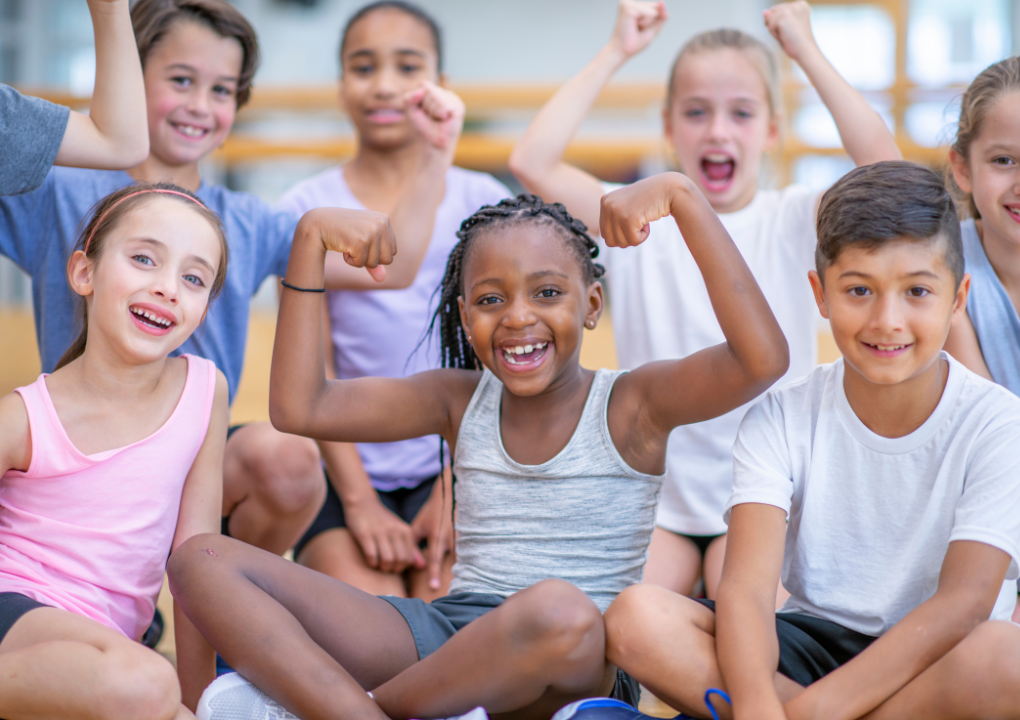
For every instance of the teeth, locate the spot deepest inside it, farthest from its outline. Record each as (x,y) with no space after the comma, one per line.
(154,319)
(890,347)
(717,157)
(191,130)
(510,353)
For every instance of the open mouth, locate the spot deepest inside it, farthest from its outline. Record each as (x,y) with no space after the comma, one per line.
(1014,212)
(190,131)
(150,321)
(717,171)
(524,355)
(883,350)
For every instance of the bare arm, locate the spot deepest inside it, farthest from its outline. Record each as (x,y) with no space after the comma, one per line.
(301,400)
(537,159)
(115,133)
(438,116)
(15,435)
(865,137)
(745,636)
(962,344)
(970,581)
(201,505)
(720,378)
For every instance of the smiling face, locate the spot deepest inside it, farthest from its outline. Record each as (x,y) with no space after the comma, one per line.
(386,54)
(720,123)
(891,307)
(525,305)
(992,171)
(149,288)
(191,79)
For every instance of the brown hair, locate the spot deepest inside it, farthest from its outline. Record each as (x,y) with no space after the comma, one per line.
(152,19)
(876,204)
(407,8)
(107,214)
(729,38)
(987,87)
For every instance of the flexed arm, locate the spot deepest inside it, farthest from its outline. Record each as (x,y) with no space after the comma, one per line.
(865,137)
(537,159)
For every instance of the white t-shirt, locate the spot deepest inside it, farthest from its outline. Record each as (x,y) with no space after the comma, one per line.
(661,311)
(870,517)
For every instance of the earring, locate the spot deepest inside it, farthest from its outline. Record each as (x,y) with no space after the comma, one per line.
(590,324)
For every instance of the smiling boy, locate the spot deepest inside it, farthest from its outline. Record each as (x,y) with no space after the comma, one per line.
(893,478)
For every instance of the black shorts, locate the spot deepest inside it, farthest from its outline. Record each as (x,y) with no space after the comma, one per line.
(405,503)
(12,606)
(701,541)
(432,624)
(810,648)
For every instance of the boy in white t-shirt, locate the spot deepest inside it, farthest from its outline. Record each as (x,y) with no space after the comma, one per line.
(893,478)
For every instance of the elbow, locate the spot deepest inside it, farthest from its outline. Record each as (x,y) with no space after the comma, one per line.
(771,365)
(284,418)
(137,151)
(522,167)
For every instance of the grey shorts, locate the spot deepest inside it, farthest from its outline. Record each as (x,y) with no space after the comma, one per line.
(12,607)
(433,624)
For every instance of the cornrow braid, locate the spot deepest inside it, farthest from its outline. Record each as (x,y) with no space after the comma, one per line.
(455,350)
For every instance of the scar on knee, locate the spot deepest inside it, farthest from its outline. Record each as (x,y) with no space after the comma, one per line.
(211,552)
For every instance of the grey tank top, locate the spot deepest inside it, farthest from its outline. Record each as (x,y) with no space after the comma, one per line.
(585,516)
(992,313)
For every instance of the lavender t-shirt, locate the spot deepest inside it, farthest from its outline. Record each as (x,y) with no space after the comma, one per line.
(375,332)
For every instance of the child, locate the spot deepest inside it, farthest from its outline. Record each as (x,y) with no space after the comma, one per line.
(35,134)
(721,116)
(984,161)
(382,499)
(558,470)
(897,470)
(108,464)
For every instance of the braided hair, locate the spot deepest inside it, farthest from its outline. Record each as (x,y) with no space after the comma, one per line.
(455,350)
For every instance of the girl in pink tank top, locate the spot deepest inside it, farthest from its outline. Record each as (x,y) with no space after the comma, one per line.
(108,465)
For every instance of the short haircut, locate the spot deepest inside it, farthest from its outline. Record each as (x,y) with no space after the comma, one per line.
(877,204)
(407,8)
(153,18)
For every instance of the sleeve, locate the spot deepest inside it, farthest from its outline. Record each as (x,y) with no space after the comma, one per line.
(277,231)
(26,225)
(989,509)
(762,469)
(293,201)
(31,130)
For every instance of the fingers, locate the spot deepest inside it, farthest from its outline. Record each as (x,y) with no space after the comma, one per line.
(378,273)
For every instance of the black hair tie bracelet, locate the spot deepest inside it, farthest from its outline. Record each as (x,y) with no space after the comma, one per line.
(301,289)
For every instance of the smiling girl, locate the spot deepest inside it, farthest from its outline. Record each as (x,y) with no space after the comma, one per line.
(558,471)
(383,499)
(108,464)
(721,117)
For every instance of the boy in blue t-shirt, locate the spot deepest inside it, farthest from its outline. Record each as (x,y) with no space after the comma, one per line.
(884,489)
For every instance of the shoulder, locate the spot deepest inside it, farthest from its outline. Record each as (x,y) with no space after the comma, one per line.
(994,405)
(15,438)
(316,191)
(797,401)
(243,211)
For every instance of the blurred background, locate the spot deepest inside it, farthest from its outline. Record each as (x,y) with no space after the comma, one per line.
(912,58)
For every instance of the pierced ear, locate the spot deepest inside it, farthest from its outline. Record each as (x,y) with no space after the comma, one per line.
(442,80)
(79,274)
(596,304)
(819,292)
(961,171)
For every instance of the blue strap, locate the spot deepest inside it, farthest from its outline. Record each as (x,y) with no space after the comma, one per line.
(708,700)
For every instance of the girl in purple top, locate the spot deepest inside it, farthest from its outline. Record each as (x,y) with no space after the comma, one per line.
(382,498)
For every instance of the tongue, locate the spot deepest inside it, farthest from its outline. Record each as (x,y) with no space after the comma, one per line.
(718,171)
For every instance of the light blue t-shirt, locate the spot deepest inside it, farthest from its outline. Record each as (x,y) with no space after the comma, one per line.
(992,313)
(39,230)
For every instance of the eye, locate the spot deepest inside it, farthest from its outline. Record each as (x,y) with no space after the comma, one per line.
(1003,161)
(694,113)
(361,69)
(743,114)
(859,291)
(194,280)
(181,81)
(548,293)
(488,300)
(223,90)
(918,292)
(143,259)
(409,69)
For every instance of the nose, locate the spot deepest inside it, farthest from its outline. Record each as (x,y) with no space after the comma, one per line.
(385,85)
(198,102)
(165,287)
(887,316)
(718,127)
(518,314)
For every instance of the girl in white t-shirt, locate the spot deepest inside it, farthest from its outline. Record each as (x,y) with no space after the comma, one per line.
(383,498)
(721,117)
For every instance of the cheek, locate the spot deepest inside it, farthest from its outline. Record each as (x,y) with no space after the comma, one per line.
(160,103)
(225,113)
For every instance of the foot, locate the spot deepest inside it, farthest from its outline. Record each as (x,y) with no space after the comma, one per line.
(231,697)
(603,708)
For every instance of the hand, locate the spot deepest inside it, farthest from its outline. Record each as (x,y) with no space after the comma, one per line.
(388,543)
(627,213)
(437,114)
(790,24)
(363,237)
(434,523)
(637,24)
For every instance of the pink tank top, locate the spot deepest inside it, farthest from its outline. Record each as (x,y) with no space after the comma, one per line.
(91,534)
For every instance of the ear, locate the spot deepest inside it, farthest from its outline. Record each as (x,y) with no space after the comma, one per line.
(960,304)
(441,81)
(667,127)
(341,88)
(596,303)
(819,291)
(772,138)
(463,317)
(79,274)
(961,171)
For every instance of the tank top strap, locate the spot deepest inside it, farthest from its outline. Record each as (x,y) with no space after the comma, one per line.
(50,444)
(195,406)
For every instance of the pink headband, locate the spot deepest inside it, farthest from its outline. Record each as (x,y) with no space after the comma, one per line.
(131,195)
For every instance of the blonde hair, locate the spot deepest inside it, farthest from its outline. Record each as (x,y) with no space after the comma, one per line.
(993,82)
(731,39)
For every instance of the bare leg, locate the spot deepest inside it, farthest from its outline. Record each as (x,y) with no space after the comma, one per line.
(417,581)
(58,664)
(313,643)
(667,643)
(1016,611)
(674,562)
(273,486)
(713,565)
(337,554)
(979,679)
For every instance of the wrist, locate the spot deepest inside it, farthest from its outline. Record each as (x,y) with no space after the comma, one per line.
(613,55)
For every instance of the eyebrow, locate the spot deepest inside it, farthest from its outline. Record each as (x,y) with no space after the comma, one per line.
(162,245)
(372,53)
(533,276)
(916,273)
(191,69)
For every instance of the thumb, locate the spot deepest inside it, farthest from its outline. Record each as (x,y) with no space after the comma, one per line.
(378,273)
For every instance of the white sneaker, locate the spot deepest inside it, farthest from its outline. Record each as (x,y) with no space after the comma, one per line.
(231,697)
(477,714)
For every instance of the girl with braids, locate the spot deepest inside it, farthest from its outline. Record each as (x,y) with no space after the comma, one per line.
(382,499)
(108,464)
(985,171)
(721,117)
(558,471)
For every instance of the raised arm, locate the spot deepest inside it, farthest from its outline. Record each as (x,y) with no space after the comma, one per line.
(301,400)
(865,137)
(720,378)
(537,159)
(438,116)
(115,133)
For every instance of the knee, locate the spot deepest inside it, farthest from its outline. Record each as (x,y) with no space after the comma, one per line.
(989,659)
(635,621)
(188,559)
(138,684)
(560,618)
(285,471)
